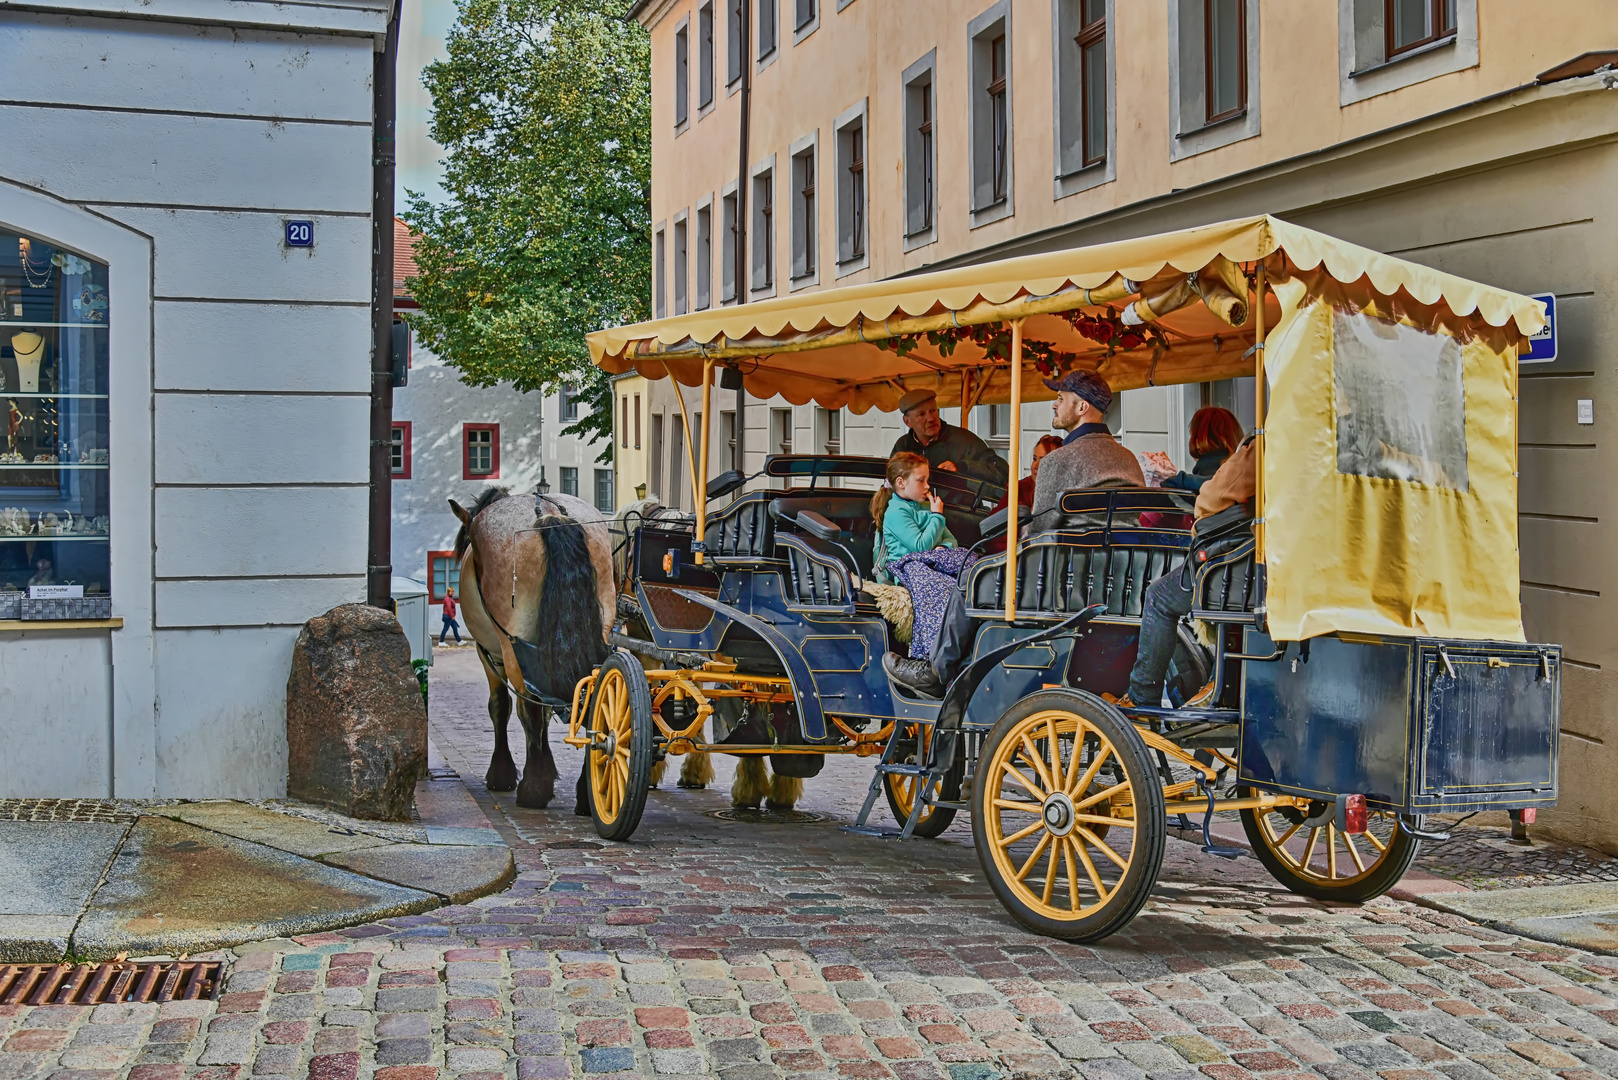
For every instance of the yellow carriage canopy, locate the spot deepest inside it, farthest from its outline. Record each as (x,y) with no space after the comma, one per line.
(1388,487)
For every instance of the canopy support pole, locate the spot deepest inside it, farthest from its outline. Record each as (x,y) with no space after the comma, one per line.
(699,484)
(1258,418)
(1015,453)
(685,420)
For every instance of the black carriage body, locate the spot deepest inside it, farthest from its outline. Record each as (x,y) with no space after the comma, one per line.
(1388,720)
(1417,725)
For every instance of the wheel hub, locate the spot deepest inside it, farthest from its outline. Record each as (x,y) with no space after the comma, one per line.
(1058,814)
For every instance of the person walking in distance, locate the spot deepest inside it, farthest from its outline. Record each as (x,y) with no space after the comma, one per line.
(450,610)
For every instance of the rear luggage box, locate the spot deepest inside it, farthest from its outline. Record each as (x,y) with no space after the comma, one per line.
(1417,725)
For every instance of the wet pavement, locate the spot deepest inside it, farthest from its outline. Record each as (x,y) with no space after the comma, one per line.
(749,949)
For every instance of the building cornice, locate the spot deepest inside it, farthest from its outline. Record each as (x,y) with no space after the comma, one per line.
(347,17)
(651,12)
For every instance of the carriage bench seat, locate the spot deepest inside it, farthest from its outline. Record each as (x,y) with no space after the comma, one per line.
(1060,573)
(742,532)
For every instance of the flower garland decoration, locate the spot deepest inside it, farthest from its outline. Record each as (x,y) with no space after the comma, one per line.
(995,340)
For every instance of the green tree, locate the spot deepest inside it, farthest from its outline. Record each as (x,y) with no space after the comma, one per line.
(544,110)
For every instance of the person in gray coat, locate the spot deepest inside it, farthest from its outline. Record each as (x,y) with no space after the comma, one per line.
(1090,456)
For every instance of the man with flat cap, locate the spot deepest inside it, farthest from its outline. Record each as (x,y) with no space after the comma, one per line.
(1089,457)
(945,447)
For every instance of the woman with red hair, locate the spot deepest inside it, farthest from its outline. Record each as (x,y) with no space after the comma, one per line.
(1215,435)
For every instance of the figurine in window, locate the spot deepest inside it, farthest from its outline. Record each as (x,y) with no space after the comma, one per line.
(44,572)
(13,425)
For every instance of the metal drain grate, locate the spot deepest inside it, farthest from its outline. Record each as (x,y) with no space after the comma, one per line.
(769,817)
(111,981)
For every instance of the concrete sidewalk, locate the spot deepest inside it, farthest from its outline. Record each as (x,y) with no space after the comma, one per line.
(89,880)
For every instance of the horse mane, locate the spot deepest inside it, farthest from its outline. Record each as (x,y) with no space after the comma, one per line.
(486,497)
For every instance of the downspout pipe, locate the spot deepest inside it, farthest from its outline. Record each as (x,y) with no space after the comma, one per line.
(743,182)
(379,544)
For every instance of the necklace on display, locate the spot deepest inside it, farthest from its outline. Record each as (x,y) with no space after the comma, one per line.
(26,250)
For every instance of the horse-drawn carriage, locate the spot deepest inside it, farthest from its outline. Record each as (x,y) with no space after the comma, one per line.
(1360,628)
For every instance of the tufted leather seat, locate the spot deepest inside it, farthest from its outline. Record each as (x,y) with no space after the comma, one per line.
(1059,576)
(1229,584)
(743,530)
(817,573)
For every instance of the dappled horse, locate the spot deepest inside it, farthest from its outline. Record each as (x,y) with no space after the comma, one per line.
(537,596)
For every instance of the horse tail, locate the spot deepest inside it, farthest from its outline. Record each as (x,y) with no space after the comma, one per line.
(572,640)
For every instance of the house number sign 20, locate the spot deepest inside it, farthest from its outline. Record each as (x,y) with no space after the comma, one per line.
(300,234)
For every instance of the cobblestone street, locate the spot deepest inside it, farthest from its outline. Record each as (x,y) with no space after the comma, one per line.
(748,950)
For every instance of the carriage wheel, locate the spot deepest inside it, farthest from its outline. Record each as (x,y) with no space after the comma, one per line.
(901,790)
(1326,864)
(1068,816)
(620,756)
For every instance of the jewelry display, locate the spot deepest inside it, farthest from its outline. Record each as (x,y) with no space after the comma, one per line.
(30,350)
(15,521)
(38,277)
(11,457)
(46,458)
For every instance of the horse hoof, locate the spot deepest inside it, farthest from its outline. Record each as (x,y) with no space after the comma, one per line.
(690,787)
(529,801)
(497,782)
(771,804)
(580,810)
(743,805)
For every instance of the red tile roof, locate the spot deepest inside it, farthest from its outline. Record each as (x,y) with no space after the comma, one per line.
(404,258)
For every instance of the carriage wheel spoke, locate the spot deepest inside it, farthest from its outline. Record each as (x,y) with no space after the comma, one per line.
(1034,759)
(1021,834)
(1309,850)
(1284,837)
(1102,892)
(1104,793)
(1044,842)
(1331,851)
(1056,752)
(1017,774)
(1050,873)
(1100,845)
(1021,805)
(1379,845)
(1084,782)
(1354,852)
(1068,847)
(1100,819)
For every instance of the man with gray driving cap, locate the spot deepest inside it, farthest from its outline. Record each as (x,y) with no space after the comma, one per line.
(946,448)
(1090,456)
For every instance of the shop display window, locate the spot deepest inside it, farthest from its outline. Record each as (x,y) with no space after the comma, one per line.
(54,463)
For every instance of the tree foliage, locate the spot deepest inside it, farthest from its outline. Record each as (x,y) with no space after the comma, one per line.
(544,110)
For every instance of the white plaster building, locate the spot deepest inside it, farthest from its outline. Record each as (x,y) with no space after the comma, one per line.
(172,141)
(452,440)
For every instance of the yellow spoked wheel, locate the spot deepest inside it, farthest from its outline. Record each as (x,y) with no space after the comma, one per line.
(901,790)
(620,751)
(1067,815)
(1327,864)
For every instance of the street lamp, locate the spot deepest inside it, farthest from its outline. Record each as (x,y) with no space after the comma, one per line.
(640,491)
(544,485)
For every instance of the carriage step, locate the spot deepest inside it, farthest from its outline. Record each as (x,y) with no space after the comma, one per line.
(903,770)
(945,804)
(872,830)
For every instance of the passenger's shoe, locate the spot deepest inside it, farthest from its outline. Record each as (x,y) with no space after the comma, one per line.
(912,674)
(1202,697)
(1122,702)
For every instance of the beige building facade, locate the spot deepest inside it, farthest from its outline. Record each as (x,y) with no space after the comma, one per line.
(887,136)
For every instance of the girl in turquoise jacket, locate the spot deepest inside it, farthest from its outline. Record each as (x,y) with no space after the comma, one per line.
(914,521)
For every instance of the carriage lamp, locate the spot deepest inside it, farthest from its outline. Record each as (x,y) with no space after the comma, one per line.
(1355,817)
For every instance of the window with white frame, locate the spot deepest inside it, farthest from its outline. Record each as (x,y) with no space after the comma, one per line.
(989,113)
(480,451)
(399,450)
(681,265)
(781,430)
(705,56)
(567,404)
(729,237)
(604,492)
(805,18)
(763,233)
(805,221)
(733,41)
(1386,45)
(727,436)
(851,190)
(920,151)
(660,305)
(1084,113)
(570,480)
(704,289)
(682,75)
(654,459)
(766,29)
(1213,74)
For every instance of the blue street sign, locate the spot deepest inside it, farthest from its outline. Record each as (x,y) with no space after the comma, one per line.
(300,234)
(1542,346)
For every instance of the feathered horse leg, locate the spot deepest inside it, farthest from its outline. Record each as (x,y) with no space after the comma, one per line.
(784,793)
(752,783)
(697,772)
